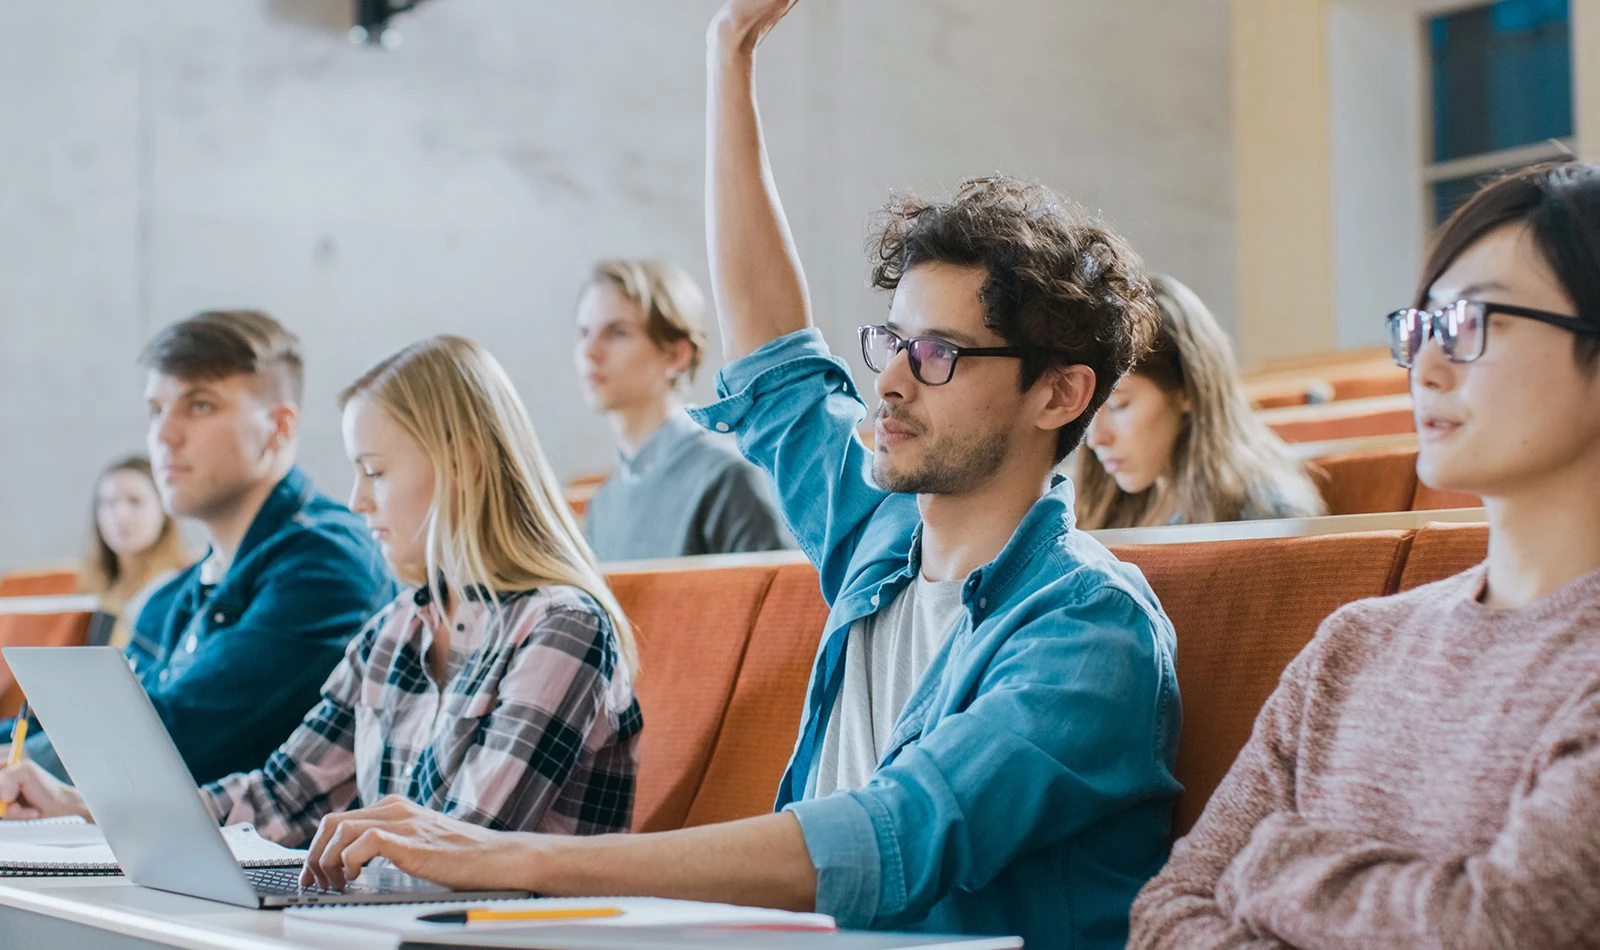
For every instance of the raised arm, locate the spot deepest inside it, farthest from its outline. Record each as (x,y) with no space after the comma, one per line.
(756,280)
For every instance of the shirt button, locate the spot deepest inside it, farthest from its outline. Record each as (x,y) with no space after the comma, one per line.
(722,427)
(874,600)
(983,602)
(218,617)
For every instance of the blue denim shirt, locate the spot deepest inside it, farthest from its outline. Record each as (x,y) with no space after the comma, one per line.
(233,668)
(1028,786)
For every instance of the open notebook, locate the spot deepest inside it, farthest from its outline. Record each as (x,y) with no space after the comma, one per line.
(64,847)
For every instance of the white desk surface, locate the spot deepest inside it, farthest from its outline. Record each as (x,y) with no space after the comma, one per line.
(112,904)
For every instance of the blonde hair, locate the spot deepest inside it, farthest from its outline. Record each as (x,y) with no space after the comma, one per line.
(1227,465)
(101,572)
(673,304)
(498,520)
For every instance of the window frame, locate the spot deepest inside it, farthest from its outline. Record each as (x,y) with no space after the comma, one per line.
(1482,164)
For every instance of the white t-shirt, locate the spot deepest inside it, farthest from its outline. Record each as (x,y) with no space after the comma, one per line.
(884,660)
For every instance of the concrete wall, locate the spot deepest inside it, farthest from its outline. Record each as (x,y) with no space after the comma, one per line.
(1377,125)
(166,156)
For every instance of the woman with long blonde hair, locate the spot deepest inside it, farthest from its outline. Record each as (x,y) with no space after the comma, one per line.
(1177,442)
(134,546)
(498,687)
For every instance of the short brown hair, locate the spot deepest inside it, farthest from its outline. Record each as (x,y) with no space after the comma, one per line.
(673,304)
(1062,286)
(217,344)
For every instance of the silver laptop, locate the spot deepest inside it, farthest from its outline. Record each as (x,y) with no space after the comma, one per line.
(143,798)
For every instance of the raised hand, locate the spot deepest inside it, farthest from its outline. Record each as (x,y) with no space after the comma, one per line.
(420,842)
(743,24)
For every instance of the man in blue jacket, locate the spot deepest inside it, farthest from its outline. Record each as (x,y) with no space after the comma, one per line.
(234,651)
(992,718)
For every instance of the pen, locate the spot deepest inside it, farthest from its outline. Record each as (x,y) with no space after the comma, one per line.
(19,734)
(483,914)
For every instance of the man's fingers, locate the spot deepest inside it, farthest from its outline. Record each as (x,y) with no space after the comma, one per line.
(319,844)
(375,842)
(332,863)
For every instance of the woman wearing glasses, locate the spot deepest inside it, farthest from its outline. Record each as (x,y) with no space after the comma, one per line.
(1177,442)
(1428,771)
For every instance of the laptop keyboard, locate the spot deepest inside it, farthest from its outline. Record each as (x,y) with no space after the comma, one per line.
(273,881)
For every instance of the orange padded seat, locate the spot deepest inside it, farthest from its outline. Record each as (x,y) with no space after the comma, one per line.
(1434,499)
(1386,381)
(53,582)
(1277,400)
(1443,550)
(1362,483)
(1335,425)
(64,629)
(693,628)
(1242,611)
(763,720)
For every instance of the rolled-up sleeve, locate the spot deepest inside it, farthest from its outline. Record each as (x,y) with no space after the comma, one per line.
(845,848)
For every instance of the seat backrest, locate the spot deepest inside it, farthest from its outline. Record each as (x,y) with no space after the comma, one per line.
(1242,611)
(1442,550)
(1364,384)
(51,582)
(693,627)
(1335,424)
(1434,499)
(763,720)
(63,629)
(1364,483)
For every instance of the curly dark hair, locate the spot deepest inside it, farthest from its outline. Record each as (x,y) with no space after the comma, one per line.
(1062,286)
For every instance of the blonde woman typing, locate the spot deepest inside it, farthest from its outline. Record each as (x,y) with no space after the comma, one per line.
(1177,441)
(497,688)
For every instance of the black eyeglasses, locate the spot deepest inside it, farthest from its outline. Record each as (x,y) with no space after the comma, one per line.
(1462,329)
(933,361)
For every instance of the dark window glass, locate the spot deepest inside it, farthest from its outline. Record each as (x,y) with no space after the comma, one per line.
(1502,77)
(1452,193)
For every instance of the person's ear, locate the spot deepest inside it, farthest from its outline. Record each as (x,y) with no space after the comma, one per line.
(681,355)
(285,421)
(1064,393)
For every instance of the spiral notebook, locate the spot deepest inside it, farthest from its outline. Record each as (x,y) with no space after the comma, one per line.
(71,847)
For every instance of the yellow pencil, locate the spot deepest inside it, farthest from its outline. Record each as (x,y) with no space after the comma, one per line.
(484,914)
(19,735)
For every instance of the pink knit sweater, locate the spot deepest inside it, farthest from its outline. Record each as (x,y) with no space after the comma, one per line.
(1427,774)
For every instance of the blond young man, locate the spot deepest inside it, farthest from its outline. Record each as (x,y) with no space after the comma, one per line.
(678,489)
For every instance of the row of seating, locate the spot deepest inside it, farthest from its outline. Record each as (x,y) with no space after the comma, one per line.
(1326,377)
(1367,480)
(727,647)
(727,643)
(1346,419)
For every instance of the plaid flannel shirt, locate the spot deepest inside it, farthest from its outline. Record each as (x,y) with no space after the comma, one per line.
(535,728)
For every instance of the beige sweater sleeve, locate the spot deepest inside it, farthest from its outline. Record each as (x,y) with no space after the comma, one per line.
(1182,907)
(1537,884)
